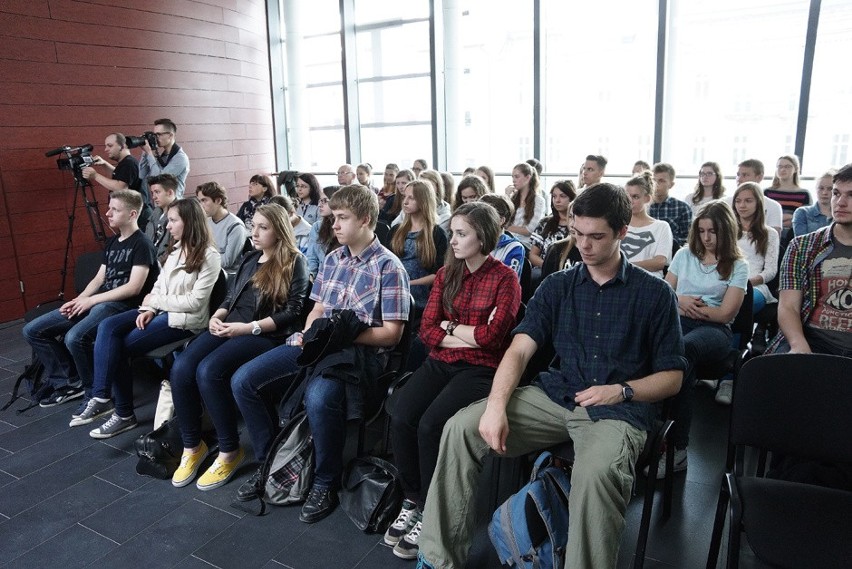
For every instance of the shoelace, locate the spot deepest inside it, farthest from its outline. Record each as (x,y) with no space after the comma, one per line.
(111,422)
(403,519)
(414,533)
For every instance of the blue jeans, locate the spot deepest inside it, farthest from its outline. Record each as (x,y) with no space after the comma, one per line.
(758,302)
(119,340)
(257,386)
(704,342)
(203,371)
(325,404)
(70,361)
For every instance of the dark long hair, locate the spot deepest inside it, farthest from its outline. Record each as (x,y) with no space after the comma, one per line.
(196,238)
(326,233)
(727,251)
(551,226)
(311,181)
(485,222)
(718,187)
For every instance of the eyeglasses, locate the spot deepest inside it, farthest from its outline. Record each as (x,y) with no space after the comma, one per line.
(706,174)
(162,133)
(303,186)
(345,172)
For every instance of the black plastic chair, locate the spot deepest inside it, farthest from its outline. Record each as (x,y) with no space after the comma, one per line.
(796,405)
(382,231)
(526,281)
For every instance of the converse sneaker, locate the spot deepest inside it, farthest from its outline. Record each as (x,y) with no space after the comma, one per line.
(679,463)
(188,467)
(115,425)
(725,393)
(407,547)
(94,409)
(61,395)
(220,472)
(402,524)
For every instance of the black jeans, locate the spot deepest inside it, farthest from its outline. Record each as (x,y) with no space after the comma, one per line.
(434,393)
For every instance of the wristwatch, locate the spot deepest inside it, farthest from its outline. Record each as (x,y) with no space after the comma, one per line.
(451,326)
(626,391)
(255,328)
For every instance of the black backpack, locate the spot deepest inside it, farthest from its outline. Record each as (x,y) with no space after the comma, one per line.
(36,387)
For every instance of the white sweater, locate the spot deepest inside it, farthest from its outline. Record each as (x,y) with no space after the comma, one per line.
(185,296)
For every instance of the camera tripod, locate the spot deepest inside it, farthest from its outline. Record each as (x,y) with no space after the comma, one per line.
(83,187)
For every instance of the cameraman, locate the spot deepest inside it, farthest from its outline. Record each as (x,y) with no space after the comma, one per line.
(123,176)
(170,158)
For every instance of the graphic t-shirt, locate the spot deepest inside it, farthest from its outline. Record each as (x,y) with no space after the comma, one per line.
(647,242)
(121,256)
(832,315)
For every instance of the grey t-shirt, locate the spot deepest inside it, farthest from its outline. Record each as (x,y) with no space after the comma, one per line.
(831,321)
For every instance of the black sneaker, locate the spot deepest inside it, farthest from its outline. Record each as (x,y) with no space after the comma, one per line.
(320,503)
(61,395)
(402,524)
(251,488)
(115,425)
(407,547)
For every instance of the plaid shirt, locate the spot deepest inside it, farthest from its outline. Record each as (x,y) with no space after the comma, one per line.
(493,285)
(626,329)
(801,270)
(676,213)
(373,284)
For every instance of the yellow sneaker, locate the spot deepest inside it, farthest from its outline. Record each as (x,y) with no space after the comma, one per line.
(220,472)
(188,468)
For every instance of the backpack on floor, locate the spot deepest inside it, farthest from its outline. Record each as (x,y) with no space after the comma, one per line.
(530,529)
(31,379)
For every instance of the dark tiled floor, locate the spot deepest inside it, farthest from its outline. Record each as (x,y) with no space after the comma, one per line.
(67,500)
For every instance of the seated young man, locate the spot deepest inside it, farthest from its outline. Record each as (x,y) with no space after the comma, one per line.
(509,250)
(361,275)
(615,329)
(163,190)
(128,270)
(814,312)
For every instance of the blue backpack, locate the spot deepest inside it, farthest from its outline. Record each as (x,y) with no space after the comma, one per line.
(530,529)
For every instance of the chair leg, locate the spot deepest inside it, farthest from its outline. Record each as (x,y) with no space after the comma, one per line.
(645,523)
(718,528)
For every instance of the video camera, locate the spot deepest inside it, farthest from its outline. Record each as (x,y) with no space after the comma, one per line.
(137,141)
(76,158)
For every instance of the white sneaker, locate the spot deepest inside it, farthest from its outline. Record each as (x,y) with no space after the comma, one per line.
(725,393)
(711,383)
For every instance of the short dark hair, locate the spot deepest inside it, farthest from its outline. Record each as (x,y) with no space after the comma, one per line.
(844,174)
(214,191)
(166,123)
(284,201)
(168,181)
(664,168)
(536,163)
(604,200)
(754,164)
(601,161)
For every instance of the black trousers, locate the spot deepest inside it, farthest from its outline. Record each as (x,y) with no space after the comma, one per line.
(434,393)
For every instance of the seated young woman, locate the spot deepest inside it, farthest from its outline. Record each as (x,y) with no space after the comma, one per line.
(471,310)
(760,245)
(528,201)
(176,308)
(321,239)
(393,204)
(263,307)
(553,227)
(470,189)
(307,197)
(710,278)
(261,189)
(418,241)
(648,243)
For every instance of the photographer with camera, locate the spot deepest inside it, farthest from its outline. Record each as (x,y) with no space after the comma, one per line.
(123,176)
(163,155)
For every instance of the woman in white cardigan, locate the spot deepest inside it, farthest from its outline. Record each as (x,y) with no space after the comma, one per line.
(177,307)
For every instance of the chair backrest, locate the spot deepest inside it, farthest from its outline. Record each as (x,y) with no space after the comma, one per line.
(744,320)
(795,404)
(219,292)
(526,280)
(382,231)
(85,269)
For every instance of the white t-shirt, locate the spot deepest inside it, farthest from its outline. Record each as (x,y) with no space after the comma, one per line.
(643,243)
(771,210)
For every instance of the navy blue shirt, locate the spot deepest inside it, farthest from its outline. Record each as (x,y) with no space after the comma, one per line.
(626,329)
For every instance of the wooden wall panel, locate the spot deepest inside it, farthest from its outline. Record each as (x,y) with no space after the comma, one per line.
(76,70)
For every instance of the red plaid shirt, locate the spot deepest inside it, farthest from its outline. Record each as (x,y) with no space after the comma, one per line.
(492,285)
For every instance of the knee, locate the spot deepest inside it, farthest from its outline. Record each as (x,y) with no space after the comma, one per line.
(322,397)
(77,340)
(241,384)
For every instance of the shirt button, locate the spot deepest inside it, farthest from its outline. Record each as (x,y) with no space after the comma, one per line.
(595,356)
(598,314)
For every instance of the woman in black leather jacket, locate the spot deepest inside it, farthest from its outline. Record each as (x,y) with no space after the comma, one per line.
(263,307)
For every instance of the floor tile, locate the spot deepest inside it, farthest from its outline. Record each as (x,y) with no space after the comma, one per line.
(48,518)
(123,474)
(53,479)
(171,539)
(36,457)
(332,542)
(70,549)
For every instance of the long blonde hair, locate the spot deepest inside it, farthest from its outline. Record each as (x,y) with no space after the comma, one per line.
(273,278)
(424,195)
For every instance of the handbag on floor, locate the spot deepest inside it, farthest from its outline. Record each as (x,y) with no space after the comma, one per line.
(530,529)
(159,451)
(371,494)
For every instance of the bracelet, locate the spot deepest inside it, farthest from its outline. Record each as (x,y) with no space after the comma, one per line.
(451,326)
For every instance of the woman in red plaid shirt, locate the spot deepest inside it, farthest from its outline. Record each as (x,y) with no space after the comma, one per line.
(466,324)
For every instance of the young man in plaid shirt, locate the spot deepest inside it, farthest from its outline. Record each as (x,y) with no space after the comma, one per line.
(673,211)
(363,276)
